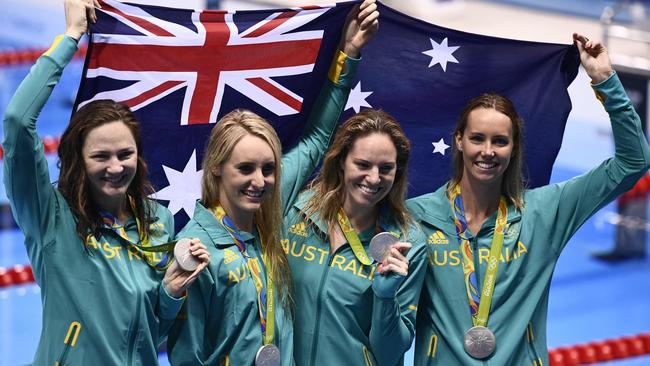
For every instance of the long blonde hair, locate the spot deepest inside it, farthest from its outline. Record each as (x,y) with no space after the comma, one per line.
(230,129)
(328,187)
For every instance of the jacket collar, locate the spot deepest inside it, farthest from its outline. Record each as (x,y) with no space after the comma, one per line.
(435,209)
(218,234)
(386,219)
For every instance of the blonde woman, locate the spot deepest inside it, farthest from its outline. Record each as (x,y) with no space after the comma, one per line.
(239,311)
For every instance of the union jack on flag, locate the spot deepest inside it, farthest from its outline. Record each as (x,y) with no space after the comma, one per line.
(180,70)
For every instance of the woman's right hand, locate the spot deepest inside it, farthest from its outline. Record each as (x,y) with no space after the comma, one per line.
(77,14)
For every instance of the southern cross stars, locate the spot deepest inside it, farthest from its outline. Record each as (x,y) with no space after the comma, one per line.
(357,99)
(184,187)
(441,54)
(440,147)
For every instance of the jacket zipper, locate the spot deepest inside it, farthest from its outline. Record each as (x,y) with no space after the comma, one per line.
(321,285)
(133,329)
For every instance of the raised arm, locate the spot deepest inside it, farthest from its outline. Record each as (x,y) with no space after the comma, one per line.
(578,198)
(299,163)
(26,174)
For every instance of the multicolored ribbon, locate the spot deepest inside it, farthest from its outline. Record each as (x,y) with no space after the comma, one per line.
(265,297)
(352,238)
(143,247)
(479,301)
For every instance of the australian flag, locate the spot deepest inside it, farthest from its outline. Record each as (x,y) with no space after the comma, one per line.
(181,70)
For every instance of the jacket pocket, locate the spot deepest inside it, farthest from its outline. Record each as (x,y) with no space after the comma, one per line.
(224,361)
(432,346)
(367,357)
(69,343)
(530,339)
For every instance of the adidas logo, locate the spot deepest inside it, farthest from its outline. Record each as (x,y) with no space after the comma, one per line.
(299,229)
(229,256)
(437,238)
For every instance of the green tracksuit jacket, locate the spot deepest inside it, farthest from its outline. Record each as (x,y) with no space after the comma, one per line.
(103,306)
(534,239)
(340,319)
(220,324)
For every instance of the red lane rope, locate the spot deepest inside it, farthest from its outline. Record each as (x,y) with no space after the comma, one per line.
(29,56)
(640,190)
(50,145)
(16,275)
(601,351)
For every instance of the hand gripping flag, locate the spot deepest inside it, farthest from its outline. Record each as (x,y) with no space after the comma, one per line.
(181,70)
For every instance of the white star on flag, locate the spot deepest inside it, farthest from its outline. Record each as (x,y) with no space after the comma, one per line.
(357,99)
(440,147)
(184,187)
(441,53)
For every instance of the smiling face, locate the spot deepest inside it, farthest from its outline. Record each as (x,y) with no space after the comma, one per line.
(246,178)
(368,171)
(110,157)
(486,146)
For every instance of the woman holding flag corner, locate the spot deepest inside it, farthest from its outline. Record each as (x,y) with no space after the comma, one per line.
(485,296)
(107,297)
(239,312)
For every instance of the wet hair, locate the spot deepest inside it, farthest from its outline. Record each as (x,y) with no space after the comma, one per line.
(73,181)
(512,184)
(229,130)
(329,186)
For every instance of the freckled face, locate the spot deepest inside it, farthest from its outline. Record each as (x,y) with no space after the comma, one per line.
(247,177)
(110,157)
(486,145)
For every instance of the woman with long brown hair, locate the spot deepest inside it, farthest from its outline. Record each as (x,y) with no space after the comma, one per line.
(349,309)
(108,299)
(239,311)
(485,296)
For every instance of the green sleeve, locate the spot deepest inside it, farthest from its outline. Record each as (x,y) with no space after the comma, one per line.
(299,163)
(580,197)
(393,319)
(168,308)
(26,174)
(189,340)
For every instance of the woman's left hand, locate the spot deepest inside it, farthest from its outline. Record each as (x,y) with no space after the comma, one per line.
(392,271)
(176,279)
(594,58)
(396,260)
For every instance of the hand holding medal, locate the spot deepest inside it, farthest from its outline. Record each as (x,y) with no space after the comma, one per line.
(390,253)
(191,258)
(386,249)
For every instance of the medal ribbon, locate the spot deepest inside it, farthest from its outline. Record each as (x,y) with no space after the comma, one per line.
(479,302)
(265,297)
(352,238)
(111,222)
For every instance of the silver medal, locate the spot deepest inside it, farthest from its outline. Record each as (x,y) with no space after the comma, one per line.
(479,342)
(380,245)
(268,355)
(183,256)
